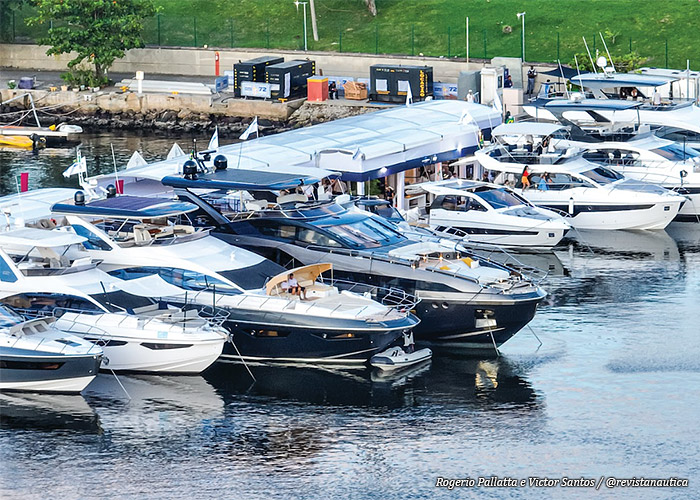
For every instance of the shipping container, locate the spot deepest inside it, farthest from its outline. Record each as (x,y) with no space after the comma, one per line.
(252,71)
(391,83)
(288,79)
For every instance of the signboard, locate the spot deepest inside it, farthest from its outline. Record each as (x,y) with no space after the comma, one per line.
(220,83)
(444,90)
(256,89)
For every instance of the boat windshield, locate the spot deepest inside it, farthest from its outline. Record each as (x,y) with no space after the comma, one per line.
(183,278)
(9,318)
(602,175)
(386,211)
(677,152)
(498,197)
(365,233)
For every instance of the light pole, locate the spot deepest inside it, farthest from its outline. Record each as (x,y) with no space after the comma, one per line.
(521,16)
(297,2)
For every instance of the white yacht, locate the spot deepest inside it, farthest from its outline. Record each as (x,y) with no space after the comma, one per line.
(136,331)
(490,213)
(135,237)
(36,356)
(594,196)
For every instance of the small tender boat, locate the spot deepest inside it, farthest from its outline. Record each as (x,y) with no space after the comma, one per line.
(395,358)
(16,141)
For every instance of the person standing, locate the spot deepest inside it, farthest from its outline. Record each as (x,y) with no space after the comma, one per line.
(531,76)
(470,96)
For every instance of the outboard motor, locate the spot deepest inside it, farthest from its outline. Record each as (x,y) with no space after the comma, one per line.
(79,199)
(206,156)
(111,191)
(189,169)
(220,162)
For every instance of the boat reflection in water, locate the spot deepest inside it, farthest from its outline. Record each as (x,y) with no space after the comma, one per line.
(48,412)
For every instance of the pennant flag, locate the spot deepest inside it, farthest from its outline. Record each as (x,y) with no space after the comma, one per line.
(252,129)
(79,166)
(214,141)
(175,151)
(136,160)
(409,96)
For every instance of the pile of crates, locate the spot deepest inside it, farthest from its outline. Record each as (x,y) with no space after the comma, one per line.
(355,91)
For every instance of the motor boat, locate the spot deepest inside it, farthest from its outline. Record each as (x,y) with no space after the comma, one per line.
(464,302)
(137,331)
(36,356)
(490,214)
(396,358)
(595,197)
(133,238)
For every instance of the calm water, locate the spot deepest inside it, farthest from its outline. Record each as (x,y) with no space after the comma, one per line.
(614,390)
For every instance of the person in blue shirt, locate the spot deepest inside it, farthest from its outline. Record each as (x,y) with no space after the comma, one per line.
(544,180)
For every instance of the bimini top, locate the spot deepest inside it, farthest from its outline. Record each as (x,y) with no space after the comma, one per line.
(127,207)
(233,178)
(31,237)
(527,128)
(592,105)
(607,80)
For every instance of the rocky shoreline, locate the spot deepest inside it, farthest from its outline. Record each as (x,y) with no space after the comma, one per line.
(95,120)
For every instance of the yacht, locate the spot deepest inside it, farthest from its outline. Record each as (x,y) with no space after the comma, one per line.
(617,89)
(137,331)
(36,356)
(633,149)
(595,196)
(490,214)
(135,237)
(465,301)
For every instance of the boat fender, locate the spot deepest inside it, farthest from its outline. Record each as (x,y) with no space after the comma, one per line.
(220,162)
(111,191)
(79,199)
(571,206)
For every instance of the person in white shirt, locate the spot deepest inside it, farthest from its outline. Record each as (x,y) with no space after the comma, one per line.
(470,96)
(656,99)
(294,288)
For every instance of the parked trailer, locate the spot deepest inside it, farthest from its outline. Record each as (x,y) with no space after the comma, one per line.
(289,79)
(252,70)
(390,83)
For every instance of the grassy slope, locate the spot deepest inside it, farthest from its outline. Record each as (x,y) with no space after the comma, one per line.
(247,22)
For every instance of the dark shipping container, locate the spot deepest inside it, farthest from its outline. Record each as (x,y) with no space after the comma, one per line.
(289,78)
(252,71)
(389,83)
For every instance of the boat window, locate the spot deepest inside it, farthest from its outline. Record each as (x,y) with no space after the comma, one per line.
(6,273)
(602,175)
(497,198)
(560,181)
(365,233)
(676,152)
(386,211)
(682,136)
(285,231)
(47,302)
(312,237)
(9,318)
(93,242)
(183,278)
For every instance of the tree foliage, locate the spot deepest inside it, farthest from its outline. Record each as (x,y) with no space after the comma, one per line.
(99,31)
(7,8)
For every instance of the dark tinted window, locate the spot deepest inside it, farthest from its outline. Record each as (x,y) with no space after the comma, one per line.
(93,241)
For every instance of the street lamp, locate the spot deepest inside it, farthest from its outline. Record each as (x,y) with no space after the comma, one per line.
(297,2)
(521,16)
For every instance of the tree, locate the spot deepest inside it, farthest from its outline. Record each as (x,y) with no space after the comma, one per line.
(100,31)
(7,10)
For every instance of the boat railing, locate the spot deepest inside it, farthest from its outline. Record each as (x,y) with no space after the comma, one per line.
(390,297)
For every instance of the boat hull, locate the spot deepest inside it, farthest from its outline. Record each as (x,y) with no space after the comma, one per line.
(38,372)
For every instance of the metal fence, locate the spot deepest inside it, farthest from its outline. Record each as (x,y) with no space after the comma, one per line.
(378,38)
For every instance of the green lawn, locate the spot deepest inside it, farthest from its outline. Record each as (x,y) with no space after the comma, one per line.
(437,27)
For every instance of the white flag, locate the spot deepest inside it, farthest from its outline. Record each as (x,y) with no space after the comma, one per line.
(79,166)
(136,160)
(409,96)
(252,129)
(497,105)
(467,118)
(214,141)
(175,151)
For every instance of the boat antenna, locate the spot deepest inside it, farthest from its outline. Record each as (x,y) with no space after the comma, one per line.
(608,52)
(561,71)
(578,70)
(589,55)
